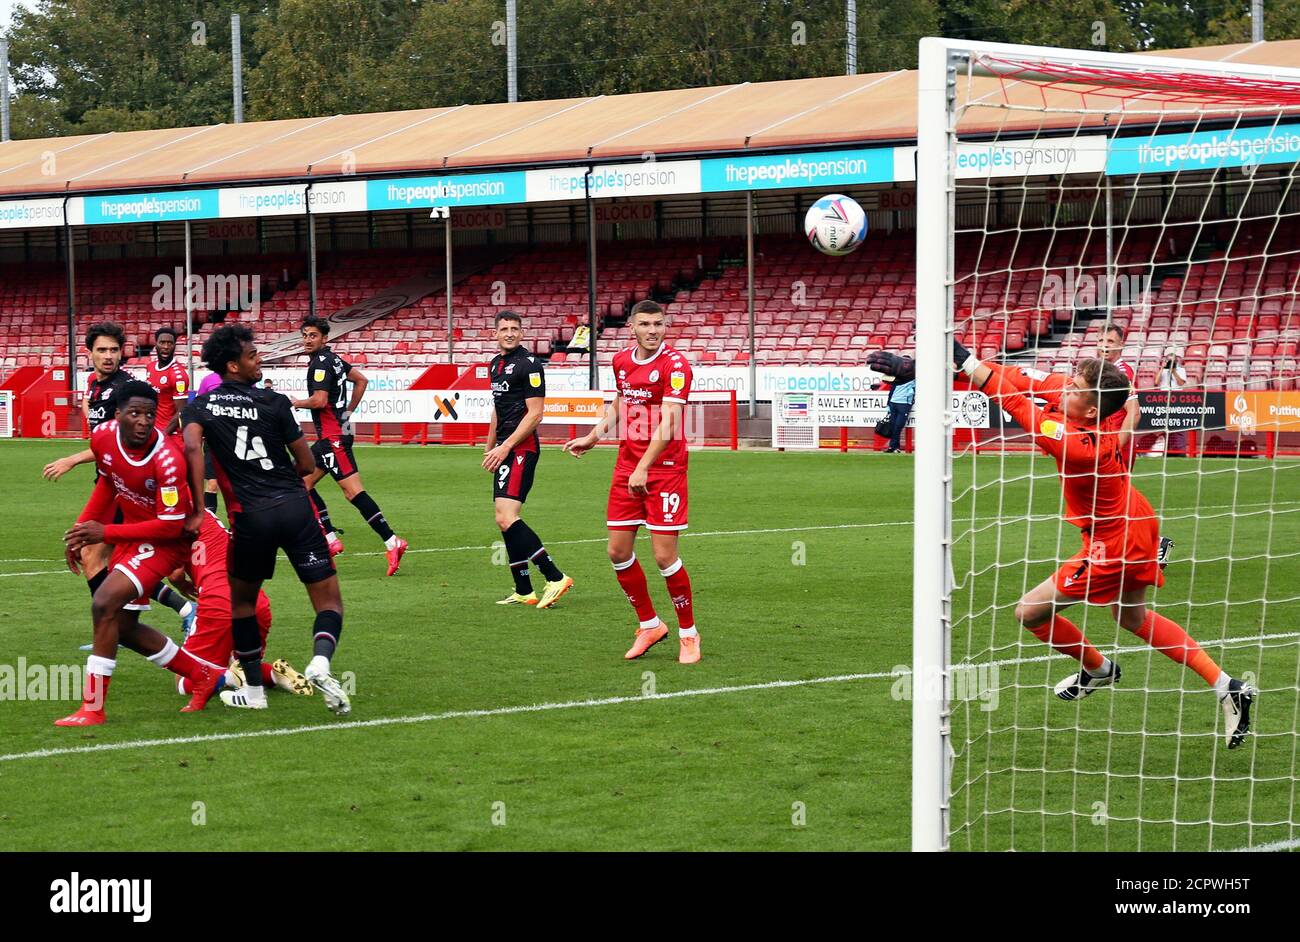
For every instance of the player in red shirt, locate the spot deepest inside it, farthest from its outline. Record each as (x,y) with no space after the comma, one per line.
(142,474)
(212,641)
(1110,346)
(170,381)
(649,487)
(1119,560)
(106,341)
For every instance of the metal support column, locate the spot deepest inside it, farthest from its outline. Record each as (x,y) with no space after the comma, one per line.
(749,272)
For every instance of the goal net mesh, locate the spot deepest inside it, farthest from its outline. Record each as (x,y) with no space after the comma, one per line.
(1163,202)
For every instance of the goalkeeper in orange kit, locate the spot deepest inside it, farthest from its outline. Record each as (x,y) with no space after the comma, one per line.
(1119,560)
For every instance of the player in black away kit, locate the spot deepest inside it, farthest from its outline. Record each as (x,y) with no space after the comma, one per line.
(328,379)
(106,342)
(251,434)
(511,453)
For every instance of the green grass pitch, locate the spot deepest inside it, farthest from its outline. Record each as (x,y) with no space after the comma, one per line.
(509,728)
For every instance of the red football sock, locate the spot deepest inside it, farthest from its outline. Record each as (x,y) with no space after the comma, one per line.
(679,590)
(96,692)
(632,578)
(1063,635)
(99,671)
(184,663)
(1173,642)
(268,675)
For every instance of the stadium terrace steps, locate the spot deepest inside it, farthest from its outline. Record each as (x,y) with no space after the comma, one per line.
(1236,319)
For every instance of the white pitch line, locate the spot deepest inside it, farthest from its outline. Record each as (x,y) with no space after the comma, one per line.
(1273,847)
(599,539)
(701,533)
(431,717)
(563,705)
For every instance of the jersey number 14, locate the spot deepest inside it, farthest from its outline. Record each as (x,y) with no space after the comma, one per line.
(254,450)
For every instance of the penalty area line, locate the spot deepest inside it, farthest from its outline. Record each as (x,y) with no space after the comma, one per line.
(563,705)
(433,717)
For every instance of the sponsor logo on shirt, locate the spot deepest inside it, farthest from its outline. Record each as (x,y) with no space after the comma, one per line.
(170,497)
(534,380)
(319,376)
(1052,429)
(677,381)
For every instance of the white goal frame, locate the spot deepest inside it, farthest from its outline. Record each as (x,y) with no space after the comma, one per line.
(941,65)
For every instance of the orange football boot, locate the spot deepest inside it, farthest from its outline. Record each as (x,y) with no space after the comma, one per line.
(646,638)
(395,556)
(690,650)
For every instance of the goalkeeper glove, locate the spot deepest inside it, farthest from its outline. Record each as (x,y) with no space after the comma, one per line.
(891,364)
(962,359)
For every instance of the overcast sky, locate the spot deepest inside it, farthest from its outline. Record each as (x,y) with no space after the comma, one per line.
(6,12)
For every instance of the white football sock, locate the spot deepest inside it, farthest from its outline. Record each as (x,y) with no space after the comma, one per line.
(687,632)
(164,657)
(1221,684)
(392,541)
(319,664)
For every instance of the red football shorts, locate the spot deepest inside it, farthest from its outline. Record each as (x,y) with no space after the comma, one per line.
(1090,576)
(211,640)
(148,564)
(663,507)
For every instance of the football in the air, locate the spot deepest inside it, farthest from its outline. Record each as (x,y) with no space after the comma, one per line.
(835,224)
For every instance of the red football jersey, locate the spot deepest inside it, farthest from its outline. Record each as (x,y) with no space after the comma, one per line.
(147,486)
(207,566)
(645,385)
(171,383)
(1099,497)
(1116,419)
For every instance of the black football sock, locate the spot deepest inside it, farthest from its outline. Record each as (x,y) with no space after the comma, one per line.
(248,648)
(95,581)
(531,545)
(171,598)
(325,634)
(367,507)
(322,512)
(210,501)
(518,558)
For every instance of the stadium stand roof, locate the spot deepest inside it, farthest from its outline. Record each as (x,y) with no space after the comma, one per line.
(681,122)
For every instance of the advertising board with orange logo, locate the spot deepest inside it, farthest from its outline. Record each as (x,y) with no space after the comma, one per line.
(575,409)
(1248,412)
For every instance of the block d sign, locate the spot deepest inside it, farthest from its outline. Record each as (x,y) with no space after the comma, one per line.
(478,219)
(624,212)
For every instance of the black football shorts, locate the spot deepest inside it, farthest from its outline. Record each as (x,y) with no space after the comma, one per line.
(290,525)
(514,478)
(335,456)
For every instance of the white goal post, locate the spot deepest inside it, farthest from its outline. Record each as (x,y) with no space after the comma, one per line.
(1003,95)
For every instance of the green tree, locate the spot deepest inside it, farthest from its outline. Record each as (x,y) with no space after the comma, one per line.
(320,58)
(97,65)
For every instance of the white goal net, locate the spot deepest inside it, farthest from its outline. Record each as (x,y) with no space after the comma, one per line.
(1144,209)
